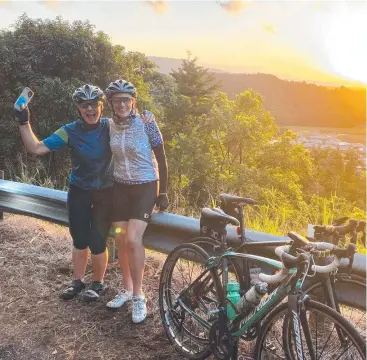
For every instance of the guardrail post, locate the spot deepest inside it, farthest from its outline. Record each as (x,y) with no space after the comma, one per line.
(1,178)
(111,246)
(310,230)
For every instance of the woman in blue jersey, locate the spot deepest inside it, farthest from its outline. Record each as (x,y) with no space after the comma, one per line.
(89,195)
(139,162)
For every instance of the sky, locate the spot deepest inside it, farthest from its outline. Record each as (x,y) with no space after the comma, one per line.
(322,42)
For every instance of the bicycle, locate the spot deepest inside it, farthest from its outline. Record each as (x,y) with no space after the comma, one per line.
(329,288)
(204,303)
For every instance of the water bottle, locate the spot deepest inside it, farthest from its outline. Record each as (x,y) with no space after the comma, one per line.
(254,275)
(252,297)
(233,294)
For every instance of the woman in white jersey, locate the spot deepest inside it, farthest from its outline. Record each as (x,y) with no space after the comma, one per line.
(140,176)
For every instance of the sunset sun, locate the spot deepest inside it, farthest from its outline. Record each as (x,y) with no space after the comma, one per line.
(344,35)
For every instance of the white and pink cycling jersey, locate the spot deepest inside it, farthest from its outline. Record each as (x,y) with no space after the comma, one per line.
(134,160)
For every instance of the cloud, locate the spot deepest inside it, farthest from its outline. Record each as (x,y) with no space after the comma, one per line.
(270,28)
(322,6)
(233,6)
(159,7)
(4,3)
(51,5)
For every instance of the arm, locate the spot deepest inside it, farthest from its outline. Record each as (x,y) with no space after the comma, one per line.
(156,142)
(31,143)
(56,141)
(160,155)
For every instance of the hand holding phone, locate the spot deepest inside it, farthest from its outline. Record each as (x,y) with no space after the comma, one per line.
(23,99)
(20,106)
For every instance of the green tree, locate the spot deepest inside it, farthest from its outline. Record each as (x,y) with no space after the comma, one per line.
(53,57)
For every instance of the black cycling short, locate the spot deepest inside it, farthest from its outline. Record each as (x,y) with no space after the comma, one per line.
(134,201)
(89,218)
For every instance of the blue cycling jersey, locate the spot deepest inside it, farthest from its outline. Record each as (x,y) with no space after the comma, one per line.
(91,156)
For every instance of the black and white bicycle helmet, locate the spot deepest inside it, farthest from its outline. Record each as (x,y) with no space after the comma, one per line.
(88,92)
(120,86)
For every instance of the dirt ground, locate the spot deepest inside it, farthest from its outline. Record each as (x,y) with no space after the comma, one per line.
(35,264)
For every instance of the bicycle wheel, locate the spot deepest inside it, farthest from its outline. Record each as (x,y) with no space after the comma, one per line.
(189,334)
(322,322)
(351,296)
(236,272)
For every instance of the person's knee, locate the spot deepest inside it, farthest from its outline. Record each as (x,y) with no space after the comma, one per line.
(133,239)
(79,245)
(120,239)
(120,229)
(97,247)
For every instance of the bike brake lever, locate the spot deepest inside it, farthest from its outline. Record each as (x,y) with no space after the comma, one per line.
(350,265)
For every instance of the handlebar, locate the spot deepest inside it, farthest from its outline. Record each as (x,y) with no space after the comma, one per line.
(361,227)
(340,221)
(290,261)
(340,230)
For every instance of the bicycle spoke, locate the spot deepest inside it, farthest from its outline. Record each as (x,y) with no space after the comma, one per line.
(188,289)
(322,351)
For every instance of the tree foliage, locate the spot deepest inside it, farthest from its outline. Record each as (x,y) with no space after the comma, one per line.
(214,143)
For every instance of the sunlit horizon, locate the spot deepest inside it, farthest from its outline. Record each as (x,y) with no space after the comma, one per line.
(318,42)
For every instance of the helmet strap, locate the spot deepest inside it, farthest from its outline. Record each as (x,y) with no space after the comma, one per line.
(124,123)
(132,113)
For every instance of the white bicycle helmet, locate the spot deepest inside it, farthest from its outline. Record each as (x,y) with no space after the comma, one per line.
(88,92)
(120,86)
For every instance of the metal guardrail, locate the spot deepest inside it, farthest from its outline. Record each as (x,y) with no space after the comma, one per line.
(163,234)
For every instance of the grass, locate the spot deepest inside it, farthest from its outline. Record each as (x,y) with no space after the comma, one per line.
(32,174)
(279,220)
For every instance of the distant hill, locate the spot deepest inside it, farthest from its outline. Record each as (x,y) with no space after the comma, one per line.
(166,65)
(301,103)
(290,102)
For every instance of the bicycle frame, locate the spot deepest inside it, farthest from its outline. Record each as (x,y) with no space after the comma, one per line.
(283,290)
(290,286)
(263,308)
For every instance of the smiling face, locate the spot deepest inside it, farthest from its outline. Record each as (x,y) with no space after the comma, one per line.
(122,105)
(91,111)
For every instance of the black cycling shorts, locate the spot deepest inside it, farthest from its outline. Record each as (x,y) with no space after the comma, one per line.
(134,201)
(89,218)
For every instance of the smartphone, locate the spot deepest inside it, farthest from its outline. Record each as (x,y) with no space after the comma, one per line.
(23,99)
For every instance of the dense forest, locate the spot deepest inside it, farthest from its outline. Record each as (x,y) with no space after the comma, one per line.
(215,141)
(292,102)
(301,103)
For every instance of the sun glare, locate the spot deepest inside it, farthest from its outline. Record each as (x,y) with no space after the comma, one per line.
(345,35)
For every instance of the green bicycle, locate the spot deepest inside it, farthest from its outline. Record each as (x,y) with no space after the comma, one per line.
(200,318)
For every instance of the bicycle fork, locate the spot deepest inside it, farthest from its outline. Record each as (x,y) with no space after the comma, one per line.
(298,321)
(332,301)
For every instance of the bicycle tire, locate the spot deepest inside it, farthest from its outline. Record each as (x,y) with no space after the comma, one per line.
(168,317)
(284,344)
(343,285)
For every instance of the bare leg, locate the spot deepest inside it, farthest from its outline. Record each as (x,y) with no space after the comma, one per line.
(123,254)
(80,259)
(99,265)
(134,237)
